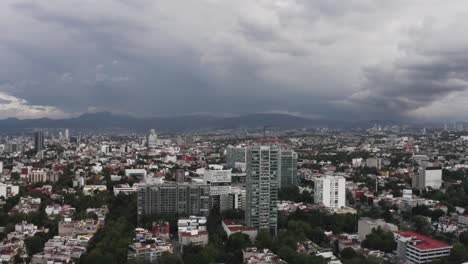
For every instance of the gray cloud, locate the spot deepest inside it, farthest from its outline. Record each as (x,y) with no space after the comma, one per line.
(398,59)
(428,72)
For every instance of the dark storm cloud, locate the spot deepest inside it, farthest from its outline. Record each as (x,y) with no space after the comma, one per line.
(174,57)
(429,71)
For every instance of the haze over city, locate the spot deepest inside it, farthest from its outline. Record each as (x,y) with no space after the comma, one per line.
(357,59)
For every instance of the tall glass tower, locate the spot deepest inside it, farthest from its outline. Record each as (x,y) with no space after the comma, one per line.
(39,141)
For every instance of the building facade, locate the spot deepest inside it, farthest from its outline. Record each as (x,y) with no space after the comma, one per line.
(39,141)
(262,187)
(172,197)
(287,168)
(330,191)
(414,248)
(428,177)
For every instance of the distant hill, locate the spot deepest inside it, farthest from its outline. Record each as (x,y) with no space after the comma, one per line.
(106,120)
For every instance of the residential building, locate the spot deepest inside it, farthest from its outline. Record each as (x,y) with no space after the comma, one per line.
(366,224)
(374,163)
(192,231)
(8,190)
(253,256)
(172,197)
(147,247)
(262,187)
(428,177)
(330,191)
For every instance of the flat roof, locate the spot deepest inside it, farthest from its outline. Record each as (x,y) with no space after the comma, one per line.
(424,242)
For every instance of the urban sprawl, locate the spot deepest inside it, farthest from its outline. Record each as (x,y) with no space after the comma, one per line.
(387,194)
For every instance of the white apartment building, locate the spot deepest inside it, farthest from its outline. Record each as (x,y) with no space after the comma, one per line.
(330,191)
(428,177)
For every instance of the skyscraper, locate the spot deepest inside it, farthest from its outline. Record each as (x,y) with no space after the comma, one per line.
(152,139)
(288,168)
(262,187)
(67,134)
(39,141)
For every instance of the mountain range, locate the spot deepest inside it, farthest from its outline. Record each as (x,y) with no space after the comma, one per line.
(106,120)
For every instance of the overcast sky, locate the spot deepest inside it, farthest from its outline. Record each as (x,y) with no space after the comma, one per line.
(362,59)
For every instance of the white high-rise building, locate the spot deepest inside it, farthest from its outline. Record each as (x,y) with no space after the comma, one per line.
(152,139)
(428,177)
(330,191)
(67,134)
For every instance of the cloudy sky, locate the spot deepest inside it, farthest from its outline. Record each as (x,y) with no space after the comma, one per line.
(361,59)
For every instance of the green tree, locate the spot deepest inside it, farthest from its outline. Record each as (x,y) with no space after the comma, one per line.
(167,258)
(348,253)
(380,240)
(264,239)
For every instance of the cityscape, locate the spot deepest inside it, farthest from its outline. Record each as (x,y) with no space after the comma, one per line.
(233,132)
(383,194)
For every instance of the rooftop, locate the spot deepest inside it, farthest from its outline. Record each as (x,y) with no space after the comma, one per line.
(423,242)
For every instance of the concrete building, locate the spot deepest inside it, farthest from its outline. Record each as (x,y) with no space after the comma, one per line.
(330,191)
(172,197)
(232,227)
(139,174)
(192,231)
(366,224)
(235,200)
(374,163)
(8,190)
(180,176)
(220,185)
(428,177)
(262,187)
(463,220)
(37,176)
(414,248)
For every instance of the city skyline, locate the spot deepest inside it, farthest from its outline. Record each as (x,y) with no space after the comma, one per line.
(400,60)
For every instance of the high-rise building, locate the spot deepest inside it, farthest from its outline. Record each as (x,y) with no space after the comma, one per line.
(427,177)
(172,197)
(152,139)
(330,191)
(67,134)
(220,185)
(39,141)
(236,155)
(288,168)
(262,187)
